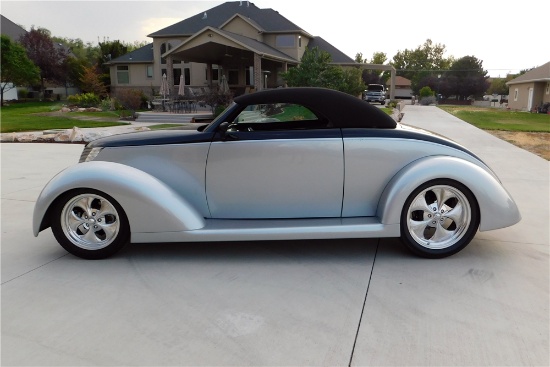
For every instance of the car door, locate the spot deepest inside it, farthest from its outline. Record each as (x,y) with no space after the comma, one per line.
(276,161)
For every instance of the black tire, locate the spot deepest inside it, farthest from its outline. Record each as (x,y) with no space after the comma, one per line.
(89,224)
(439,219)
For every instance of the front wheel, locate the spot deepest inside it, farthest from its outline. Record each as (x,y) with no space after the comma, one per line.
(90,224)
(439,219)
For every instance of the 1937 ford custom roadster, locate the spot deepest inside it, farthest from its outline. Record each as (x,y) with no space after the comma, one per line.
(289,163)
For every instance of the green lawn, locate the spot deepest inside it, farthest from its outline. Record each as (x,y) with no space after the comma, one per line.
(497,119)
(36,116)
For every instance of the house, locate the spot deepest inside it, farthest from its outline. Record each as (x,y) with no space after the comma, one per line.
(250,47)
(402,88)
(531,90)
(15,32)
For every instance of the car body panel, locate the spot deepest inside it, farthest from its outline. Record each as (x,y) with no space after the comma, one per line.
(272,178)
(150,205)
(497,208)
(276,229)
(179,166)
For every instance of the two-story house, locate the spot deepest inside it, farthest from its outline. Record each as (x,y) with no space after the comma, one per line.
(249,46)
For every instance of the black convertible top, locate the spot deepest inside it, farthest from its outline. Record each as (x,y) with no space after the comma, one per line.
(343,110)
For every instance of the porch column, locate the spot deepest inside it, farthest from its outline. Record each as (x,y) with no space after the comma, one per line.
(170,74)
(285,69)
(258,82)
(392,84)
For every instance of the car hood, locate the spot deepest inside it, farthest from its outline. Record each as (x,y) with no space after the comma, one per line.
(160,137)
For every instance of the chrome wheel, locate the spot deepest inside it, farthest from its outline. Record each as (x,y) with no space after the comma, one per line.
(439,218)
(90,221)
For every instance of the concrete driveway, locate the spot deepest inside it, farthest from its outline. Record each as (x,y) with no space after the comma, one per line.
(338,302)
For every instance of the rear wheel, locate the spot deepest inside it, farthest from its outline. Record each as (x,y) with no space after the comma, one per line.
(90,224)
(439,219)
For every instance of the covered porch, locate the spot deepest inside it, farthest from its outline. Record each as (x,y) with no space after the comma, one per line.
(245,64)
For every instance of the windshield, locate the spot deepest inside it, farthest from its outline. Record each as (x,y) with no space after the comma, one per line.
(375,88)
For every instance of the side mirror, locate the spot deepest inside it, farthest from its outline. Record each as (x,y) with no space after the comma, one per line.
(222,128)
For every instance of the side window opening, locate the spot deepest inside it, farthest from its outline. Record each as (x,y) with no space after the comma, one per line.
(277,116)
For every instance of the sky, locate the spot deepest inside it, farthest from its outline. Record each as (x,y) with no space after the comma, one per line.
(506,38)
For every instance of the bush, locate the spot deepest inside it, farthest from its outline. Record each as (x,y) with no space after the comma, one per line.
(426,101)
(131,99)
(426,92)
(84,100)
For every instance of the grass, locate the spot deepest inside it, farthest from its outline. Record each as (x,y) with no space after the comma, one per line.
(163,126)
(497,119)
(37,116)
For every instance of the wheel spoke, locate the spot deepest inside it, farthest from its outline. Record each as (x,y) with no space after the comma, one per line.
(441,234)
(418,227)
(91,237)
(74,221)
(442,196)
(106,209)
(109,229)
(420,204)
(455,213)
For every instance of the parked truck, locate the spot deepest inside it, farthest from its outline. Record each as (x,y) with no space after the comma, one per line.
(375,93)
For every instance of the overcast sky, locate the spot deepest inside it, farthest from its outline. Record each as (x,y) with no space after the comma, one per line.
(506,36)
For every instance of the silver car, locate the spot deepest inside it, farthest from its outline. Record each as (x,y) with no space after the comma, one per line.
(289,163)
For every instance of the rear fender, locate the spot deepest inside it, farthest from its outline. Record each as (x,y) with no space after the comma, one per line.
(149,204)
(496,206)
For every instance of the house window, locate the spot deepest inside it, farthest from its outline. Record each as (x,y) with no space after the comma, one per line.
(285,40)
(149,71)
(299,41)
(515,94)
(122,74)
(215,73)
(547,88)
(165,47)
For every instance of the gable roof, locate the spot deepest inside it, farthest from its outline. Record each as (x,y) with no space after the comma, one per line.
(338,57)
(541,73)
(141,55)
(11,29)
(266,19)
(400,81)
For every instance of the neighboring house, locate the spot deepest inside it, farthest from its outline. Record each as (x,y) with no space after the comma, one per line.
(529,91)
(249,46)
(402,88)
(15,32)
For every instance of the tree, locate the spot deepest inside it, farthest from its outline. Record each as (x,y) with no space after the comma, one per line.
(498,86)
(109,50)
(51,60)
(90,82)
(373,76)
(15,67)
(466,78)
(315,70)
(417,64)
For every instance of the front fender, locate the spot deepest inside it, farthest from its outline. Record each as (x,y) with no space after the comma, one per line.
(496,206)
(149,204)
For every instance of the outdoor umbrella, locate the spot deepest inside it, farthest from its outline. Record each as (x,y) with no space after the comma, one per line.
(224,87)
(164,89)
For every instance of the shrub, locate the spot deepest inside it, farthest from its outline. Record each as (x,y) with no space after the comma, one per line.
(84,100)
(426,101)
(426,92)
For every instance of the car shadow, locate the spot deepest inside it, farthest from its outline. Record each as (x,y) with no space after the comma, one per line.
(262,251)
